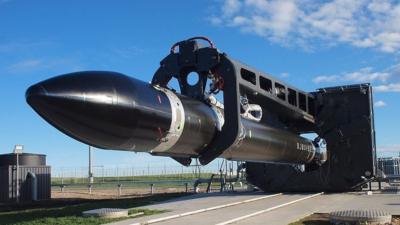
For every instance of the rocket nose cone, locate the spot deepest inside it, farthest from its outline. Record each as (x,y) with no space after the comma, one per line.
(67,95)
(104,109)
(34,94)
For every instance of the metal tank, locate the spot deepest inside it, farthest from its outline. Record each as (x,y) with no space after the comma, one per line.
(25,159)
(34,178)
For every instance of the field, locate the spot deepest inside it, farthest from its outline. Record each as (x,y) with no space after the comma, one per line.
(71,196)
(60,212)
(142,179)
(129,186)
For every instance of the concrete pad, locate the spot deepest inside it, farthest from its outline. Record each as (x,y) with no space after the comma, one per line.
(106,213)
(281,216)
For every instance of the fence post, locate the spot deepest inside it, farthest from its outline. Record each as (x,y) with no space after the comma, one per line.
(90,188)
(196,188)
(119,190)
(151,188)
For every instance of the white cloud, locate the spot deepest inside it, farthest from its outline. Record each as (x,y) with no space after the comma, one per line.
(363,75)
(215,20)
(18,46)
(326,78)
(285,75)
(379,104)
(394,148)
(360,23)
(393,87)
(25,65)
(387,80)
(379,6)
(34,65)
(230,7)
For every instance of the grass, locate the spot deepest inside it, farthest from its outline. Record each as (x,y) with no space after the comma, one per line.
(71,214)
(185,177)
(314,219)
(160,181)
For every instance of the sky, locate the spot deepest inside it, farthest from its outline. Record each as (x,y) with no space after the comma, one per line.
(309,44)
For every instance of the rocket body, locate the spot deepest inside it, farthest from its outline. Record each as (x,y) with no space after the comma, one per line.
(112,111)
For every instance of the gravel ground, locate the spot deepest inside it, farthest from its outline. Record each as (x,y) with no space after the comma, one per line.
(83,193)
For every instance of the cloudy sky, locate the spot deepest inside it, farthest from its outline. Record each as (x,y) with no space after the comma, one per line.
(309,44)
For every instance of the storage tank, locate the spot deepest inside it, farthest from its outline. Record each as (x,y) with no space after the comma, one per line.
(34,177)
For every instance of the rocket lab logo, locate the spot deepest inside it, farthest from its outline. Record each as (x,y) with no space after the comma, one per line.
(304,147)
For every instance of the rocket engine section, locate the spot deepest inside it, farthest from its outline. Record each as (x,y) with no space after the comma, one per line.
(260,120)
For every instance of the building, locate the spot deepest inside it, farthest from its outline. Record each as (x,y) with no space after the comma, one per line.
(389,166)
(33,175)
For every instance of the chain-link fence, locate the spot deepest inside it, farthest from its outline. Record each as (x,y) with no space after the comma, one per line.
(103,174)
(119,181)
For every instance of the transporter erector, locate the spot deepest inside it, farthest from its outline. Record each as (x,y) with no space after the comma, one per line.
(258,119)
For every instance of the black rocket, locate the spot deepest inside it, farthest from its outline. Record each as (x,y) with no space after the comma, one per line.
(113,111)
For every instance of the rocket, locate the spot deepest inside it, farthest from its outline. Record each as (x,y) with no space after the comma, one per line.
(254,123)
(113,111)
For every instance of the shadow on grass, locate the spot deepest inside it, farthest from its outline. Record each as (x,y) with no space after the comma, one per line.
(316,222)
(314,219)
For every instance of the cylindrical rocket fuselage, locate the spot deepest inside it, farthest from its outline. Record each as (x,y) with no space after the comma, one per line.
(113,111)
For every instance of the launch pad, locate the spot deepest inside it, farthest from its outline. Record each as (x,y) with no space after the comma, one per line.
(263,208)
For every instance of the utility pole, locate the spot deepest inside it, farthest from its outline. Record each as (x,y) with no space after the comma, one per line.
(17,177)
(90,166)
(18,150)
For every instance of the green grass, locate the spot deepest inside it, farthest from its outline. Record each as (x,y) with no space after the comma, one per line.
(314,219)
(160,181)
(71,214)
(185,177)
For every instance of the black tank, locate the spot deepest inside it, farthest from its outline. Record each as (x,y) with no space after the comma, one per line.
(25,159)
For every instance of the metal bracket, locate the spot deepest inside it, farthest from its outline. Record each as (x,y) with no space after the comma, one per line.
(290,106)
(192,58)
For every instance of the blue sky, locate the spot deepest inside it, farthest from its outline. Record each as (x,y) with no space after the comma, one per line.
(309,44)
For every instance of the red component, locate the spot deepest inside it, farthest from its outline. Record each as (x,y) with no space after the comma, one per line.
(221,83)
(159,99)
